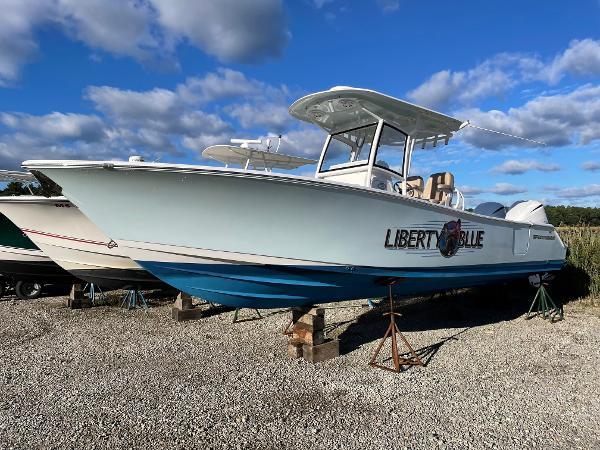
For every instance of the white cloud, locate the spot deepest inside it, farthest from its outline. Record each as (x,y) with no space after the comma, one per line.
(57,126)
(592,166)
(201,141)
(502,72)
(591,190)
(158,121)
(222,84)
(231,30)
(493,77)
(157,109)
(507,189)
(129,106)
(17,44)
(272,116)
(471,190)
(305,142)
(515,167)
(498,188)
(581,58)
(245,31)
(116,26)
(556,120)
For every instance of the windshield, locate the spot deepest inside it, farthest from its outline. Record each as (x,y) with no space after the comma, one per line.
(390,151)
(349,148)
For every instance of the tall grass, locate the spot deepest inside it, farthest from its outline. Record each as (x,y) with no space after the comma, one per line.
(581,276)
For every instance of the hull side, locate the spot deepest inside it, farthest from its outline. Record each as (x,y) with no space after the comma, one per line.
(27,264)
(312,235)
(73,242)
(269,286)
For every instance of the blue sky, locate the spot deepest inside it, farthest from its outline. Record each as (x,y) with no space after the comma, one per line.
(103,79)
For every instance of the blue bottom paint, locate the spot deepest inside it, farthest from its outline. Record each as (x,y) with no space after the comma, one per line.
(271,286)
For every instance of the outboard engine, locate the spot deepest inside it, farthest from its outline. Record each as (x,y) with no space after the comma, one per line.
(530,211)
(493,209)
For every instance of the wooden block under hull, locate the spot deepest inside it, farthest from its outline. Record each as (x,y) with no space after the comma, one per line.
(298,312)
(183,301)
(306,334)
(322,352)
(77,298)
(180,315)
(317,323)
(295,348)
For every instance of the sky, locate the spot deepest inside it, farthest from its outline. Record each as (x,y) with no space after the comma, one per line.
(105,79)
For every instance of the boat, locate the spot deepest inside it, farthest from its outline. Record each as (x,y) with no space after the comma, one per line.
(23,265)
(254,158)
(21,259)
(66,236)
(363,222)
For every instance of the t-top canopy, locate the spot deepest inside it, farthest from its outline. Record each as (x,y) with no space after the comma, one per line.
(13,175)
(257,159)
(344,108)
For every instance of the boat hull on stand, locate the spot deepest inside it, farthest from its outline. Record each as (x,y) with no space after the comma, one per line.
(73,242)
(255,239)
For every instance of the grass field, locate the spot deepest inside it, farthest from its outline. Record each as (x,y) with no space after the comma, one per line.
(581,276)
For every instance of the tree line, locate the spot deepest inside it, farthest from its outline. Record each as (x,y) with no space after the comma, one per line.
(573,216)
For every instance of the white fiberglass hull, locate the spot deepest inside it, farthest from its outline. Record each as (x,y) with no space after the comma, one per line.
(248,238)
(73,242)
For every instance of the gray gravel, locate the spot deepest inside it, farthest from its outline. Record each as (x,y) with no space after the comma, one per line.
(108,378)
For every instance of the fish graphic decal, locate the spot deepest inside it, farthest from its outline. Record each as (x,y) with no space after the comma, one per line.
(448,242)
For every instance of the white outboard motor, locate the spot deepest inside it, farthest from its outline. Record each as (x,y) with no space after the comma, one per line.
(530,211)
(136,158)
(493,209)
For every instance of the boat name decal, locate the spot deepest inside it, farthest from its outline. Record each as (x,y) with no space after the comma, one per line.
(545,238)
(447,240)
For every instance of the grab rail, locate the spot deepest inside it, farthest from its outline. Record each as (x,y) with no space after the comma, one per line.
(460,200)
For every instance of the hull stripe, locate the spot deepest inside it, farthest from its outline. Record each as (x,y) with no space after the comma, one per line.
(68,238)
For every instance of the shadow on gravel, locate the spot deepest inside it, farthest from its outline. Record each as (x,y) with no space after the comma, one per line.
(427,353)
(466,308)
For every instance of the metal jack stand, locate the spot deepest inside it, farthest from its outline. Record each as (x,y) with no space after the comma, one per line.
(392,329)
(237,310)
(93,290)
(133,298)
(286,330)
(544,304)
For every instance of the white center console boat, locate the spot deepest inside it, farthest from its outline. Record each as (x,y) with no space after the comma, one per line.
(250,238)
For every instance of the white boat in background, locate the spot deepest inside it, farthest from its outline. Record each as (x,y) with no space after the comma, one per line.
(70,239)
(22,260)
(260,239)
(24,265)
(253,158)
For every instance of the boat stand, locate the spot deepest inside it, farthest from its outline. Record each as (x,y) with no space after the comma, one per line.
(237,311)
(93,291)
(134,298)
(544,305)
(394,331)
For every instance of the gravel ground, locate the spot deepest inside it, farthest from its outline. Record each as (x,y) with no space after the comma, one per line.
(109,378)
